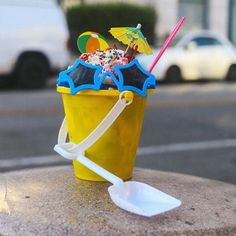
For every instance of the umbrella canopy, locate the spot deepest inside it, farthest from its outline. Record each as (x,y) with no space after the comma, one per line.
(90,41)
(132,36)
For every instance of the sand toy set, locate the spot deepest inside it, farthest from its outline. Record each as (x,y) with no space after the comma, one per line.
(104,95)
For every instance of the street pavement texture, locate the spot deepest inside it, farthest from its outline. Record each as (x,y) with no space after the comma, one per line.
(188,128)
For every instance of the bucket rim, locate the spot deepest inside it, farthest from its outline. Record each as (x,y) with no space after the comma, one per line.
(110,92)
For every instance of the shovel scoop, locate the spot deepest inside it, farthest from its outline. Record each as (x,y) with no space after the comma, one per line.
(141,199)
(132,196)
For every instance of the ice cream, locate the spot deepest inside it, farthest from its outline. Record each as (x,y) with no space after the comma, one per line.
(107,59)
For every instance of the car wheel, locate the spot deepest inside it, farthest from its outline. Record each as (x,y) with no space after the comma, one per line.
(173,74)
(31,72)
(5,81)
(231,76)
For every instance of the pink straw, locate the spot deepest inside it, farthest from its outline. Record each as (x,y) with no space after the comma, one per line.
(167,42)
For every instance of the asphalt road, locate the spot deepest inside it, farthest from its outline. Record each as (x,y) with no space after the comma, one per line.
(188,128)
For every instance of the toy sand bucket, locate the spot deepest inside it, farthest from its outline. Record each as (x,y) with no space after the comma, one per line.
(116,149)
(104,124)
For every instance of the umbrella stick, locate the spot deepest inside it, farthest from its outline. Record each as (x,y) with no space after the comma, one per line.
(167,42)
(126,50)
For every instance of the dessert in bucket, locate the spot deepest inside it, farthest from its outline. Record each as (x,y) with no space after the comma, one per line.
(104,95)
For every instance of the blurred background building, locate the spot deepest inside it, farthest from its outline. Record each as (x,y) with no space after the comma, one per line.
(218,16)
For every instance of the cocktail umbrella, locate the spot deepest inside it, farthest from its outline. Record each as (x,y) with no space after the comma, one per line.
(90,41)
(132,36)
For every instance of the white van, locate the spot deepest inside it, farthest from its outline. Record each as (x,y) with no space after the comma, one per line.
(33,41)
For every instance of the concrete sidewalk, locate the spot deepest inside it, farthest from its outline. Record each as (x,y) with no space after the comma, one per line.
(51,201)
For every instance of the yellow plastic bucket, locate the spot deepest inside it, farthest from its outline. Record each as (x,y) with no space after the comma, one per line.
(116,149)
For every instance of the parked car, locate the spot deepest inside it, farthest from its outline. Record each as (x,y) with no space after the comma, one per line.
(33,41)
(199,55)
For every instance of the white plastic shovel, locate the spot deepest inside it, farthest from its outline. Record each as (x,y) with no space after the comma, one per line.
(136,197)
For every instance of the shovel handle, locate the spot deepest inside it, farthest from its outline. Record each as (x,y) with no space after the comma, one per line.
(99,170)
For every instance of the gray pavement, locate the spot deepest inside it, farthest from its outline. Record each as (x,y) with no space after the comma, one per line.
(188,128)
